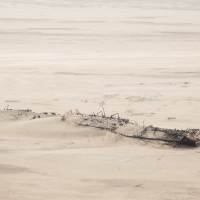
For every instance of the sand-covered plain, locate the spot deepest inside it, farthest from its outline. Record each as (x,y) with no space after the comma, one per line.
(138,58)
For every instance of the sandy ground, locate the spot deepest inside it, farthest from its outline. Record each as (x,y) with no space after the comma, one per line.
(47,158)
(138,58)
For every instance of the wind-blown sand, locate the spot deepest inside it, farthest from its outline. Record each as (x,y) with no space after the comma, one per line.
(138,58)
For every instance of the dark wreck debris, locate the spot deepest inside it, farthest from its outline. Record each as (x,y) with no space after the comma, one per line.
(27,110)
(114,115)
(18,114)
(77,112)
(104,114)
(187,141)
(6,108)
(44,114)
(125,128)
(64,117)
(182,141)
(188,137)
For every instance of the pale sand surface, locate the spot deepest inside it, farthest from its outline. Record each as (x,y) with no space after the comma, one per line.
(138,58)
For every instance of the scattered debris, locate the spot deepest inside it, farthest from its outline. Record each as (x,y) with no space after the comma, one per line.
(24,113)
(6,108)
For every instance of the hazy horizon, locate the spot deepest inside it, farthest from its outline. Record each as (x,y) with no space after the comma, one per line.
(121,34)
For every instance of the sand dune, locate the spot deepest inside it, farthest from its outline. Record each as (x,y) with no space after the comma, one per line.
(49,128)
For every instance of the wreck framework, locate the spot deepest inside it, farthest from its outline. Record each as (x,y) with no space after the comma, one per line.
(126,128)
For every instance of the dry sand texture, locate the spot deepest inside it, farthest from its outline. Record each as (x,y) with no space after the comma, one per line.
(46,158)
(138,58)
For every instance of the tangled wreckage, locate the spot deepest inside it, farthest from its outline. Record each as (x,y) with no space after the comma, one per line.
(119,126)
(125,128)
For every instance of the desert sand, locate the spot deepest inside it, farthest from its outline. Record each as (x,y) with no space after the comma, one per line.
(138,58)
